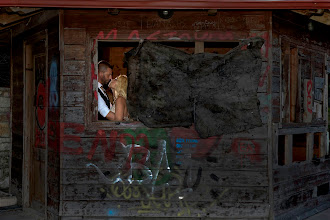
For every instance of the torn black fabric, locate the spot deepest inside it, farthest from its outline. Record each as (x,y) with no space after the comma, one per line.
(170,88)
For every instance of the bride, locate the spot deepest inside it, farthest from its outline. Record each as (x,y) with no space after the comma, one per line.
(119,89)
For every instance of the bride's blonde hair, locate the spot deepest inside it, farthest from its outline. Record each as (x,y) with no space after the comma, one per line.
(121,87)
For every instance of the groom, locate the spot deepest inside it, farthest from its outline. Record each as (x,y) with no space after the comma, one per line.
(104,78)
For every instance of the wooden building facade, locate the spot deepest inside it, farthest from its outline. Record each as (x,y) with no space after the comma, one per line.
(73,165)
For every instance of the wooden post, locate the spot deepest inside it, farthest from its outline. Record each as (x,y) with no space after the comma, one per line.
(309,146)
(288,149)
(199,47)
(285,82)
(293,83)
(28,123)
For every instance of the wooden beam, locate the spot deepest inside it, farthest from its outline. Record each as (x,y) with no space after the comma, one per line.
(293,82)
(288,149)
(309,146)
(285,93)
(301,130)
(323,144)
(28,123)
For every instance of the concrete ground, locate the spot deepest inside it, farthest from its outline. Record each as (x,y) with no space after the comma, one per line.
(324,215)
(18,214)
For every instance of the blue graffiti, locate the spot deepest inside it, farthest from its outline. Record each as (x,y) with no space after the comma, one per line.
(112,212)
(53,76)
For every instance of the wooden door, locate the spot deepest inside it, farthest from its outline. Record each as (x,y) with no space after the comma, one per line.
(36,124)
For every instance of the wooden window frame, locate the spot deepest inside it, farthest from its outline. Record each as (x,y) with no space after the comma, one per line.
(288,128)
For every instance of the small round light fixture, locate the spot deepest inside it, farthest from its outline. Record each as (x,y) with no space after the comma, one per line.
(165,14)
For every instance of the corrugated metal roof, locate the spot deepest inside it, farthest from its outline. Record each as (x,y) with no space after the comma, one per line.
(172,4)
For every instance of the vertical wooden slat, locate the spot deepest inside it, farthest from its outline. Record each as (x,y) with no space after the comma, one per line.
(325,103)
(323,143)
(28,122)
(285,81)
(199,47)
(299,98)
(308,100)
(293,82)
(288,149)
(309,146)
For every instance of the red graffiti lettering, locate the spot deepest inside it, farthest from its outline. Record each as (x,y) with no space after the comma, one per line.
(246,148)
(145,139)
(134,33)
(77,128)
(205,35)
(225,36)
(170,34)
(152,36)
(309,96)
(112,32)
(185,35)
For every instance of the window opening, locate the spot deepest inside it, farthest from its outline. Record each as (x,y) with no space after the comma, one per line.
(281,149)
(316,145)
(299,147)
(114,53)
(323,189)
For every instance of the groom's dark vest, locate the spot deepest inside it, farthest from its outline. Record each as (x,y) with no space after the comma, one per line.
(107,102)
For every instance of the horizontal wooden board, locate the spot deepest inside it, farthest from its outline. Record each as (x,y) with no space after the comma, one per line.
(74,67)
(74,36)
(74,52)
(298,170)
(73,99)
(120,192)
(74,114)
(214,177)
(288,188)
(181,20)
(74,83)
(223,162)
(4,130)
(179,209)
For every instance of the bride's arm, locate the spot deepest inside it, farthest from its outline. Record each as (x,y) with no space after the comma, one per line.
(120,108)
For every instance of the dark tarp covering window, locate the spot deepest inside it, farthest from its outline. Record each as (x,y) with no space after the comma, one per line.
(218,93)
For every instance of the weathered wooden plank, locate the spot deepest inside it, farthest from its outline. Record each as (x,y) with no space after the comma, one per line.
(298,170)
(199,47)
(74,36)
(74,52)
(301,130)
(97,192)
(293,200)
(185,20)
(214,177)
(74,114)
(74,67)
(73,99)
(4,130)
(288,149)
(293,83)
(224,162)
(285,47)
(157,209)
(309,146)
(74,83)
(290,187)
(202,148)
(308,100)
